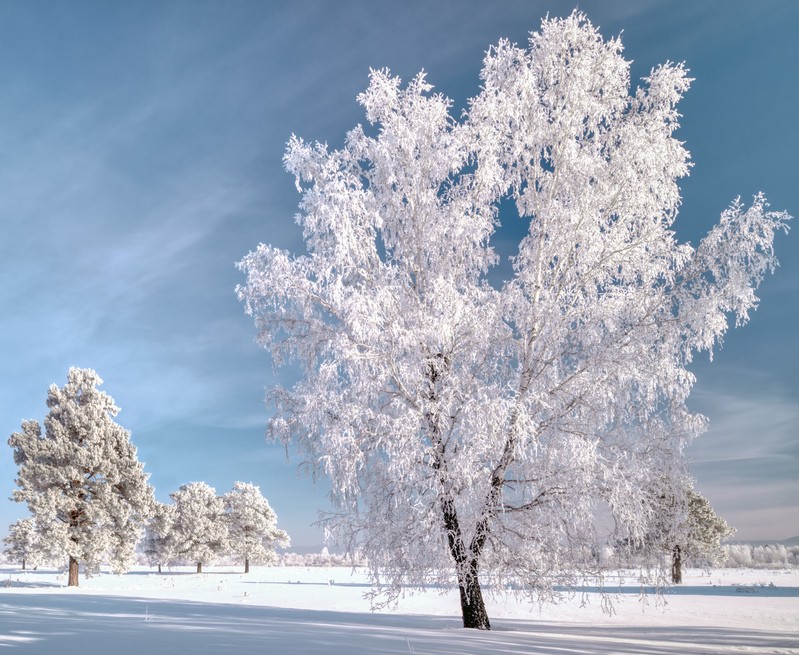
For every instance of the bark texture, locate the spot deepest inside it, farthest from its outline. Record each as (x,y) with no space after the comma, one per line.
(676,565)
(73,572)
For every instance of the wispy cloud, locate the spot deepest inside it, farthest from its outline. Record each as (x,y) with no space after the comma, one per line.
(748,460)
(140,157)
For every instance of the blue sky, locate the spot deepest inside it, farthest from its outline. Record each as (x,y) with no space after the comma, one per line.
(140,158)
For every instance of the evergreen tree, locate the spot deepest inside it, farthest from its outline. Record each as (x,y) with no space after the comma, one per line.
(702,537)
(199,530)
(81,479)
(252,525)
(157,542)
(23,543)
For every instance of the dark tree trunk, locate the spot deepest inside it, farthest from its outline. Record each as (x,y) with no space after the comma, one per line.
(199,567)
(473,607)
(676,565)
(466,558)
(159,568)
(73,572)
(23,563)
(246,565)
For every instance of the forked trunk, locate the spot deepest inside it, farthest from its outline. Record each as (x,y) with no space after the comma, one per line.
(199,567)
(466,558)
(676,565)
(473,607)
(73,572)
(246,565)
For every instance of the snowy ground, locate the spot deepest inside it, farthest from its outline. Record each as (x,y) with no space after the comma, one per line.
(321,610)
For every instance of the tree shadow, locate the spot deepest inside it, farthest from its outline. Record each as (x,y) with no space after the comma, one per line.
(71,624)
(25,584)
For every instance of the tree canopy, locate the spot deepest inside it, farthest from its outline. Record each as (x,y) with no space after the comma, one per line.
(252,525)
(81,479)
(198,531)
(480,425)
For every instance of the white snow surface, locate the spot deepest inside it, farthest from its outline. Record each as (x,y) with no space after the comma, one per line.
(322,610)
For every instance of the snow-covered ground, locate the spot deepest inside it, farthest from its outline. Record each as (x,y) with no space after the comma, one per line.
(322,610)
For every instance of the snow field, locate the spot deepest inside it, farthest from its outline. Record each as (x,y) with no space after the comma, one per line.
(322,610)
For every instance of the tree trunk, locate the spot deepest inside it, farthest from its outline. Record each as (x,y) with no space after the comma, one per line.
(159,568)
(676,565)
(23,563)
(466,559)
(246,564)
(199,567)
(473,607)
(73,572)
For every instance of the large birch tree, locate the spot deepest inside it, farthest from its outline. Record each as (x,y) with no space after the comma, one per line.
(477,425)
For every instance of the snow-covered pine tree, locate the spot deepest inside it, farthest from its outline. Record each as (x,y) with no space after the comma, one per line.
(81,479)
(199,530)
(682,524)
(157,542)
(703,534)
(23,543)
(482,421)
(252,525)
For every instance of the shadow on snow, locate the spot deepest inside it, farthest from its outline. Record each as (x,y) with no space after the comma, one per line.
(44,623)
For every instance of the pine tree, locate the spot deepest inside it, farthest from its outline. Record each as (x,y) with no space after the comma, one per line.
(199,530)
(682,523)
(157,542)
(23,543)
(701,540)
(81,479)
(252,525)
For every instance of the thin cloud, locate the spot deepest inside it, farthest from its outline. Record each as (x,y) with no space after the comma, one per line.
(747,462)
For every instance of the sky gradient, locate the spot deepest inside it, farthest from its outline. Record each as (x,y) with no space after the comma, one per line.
(140,158)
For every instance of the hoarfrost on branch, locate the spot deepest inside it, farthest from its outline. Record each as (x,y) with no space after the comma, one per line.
(481,425)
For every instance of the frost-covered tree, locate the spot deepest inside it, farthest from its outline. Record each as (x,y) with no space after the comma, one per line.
(81,479)
(702,535)
(683,524)
(157,542)
(481,421)
(23,543)
(252,525)
(199,530)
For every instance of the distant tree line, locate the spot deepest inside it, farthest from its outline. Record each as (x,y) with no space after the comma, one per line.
(91,503)
(749,556)
(201,527)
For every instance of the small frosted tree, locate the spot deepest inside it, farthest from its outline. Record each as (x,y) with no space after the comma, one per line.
(682,523)
(479,423)
(157,542)
(702,536)
(252,525)
(23,543)
(81,479)
(199,530)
